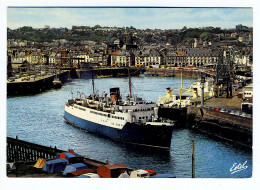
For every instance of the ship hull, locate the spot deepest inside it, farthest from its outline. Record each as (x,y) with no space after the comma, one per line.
(57,86)
(148,135)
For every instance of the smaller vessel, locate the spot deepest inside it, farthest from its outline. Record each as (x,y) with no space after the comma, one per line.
(69,80)
(189,96)
(147,74)
(57,83)
(176,100)
(181,100)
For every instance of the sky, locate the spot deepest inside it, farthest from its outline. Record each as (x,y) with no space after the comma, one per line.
(142,18)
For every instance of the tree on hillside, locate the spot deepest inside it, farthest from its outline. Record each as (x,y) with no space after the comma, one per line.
(189,41)
(96,26)
(26,28)
(192,33)
(206,36)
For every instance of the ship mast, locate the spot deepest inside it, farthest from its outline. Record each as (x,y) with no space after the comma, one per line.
(93,88)
(130,91)
(180,89)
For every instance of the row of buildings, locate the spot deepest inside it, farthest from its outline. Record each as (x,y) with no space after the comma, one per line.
(125,52)
(185,57)
(120,58)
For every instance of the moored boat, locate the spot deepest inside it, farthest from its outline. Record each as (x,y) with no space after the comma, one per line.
(147,74)
(57,83)
(132,120)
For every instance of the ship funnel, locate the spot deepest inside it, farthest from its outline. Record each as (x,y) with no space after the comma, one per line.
(168,92)
(114,94)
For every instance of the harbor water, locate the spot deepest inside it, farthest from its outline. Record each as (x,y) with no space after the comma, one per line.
(39,119)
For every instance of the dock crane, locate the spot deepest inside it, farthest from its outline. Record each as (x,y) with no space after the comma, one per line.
(224,73)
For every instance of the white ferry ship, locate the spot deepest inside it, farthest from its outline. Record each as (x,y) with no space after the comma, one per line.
(132,120)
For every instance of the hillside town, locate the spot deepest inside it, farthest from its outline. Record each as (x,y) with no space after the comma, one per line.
(85,48)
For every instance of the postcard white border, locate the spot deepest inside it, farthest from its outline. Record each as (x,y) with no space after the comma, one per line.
(31,183)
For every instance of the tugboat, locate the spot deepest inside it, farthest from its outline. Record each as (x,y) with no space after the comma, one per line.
(133,120)
(177,101)
(57,83)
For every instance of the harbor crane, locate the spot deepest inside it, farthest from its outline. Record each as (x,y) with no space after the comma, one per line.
(224,73)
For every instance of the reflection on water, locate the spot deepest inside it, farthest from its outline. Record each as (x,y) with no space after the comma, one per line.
(38,119)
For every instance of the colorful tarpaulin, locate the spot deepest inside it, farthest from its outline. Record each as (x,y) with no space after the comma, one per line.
(71,157)
(65,155)
(79,172)
(40,163)
(74,167)
(151,172)
(55,166)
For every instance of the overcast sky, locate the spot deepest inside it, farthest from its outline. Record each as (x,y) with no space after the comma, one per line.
(163,18)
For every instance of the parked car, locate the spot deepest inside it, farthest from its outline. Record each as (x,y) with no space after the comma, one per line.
(217,109)
(249,116)
(224,110)
(243,114)
(11,79)
(238,113)
(232,112)
(208,107)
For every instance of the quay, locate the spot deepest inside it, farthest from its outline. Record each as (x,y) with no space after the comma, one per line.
(34,84)
(210,121)
(228,126)
(222,125)
(22,151)
(25,154)
(175,71)
(25,159)
(108,72)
